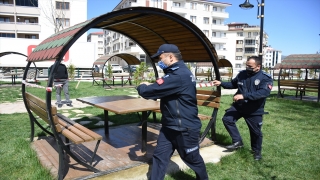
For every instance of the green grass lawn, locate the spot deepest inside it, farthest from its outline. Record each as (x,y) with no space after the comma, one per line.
(291,145)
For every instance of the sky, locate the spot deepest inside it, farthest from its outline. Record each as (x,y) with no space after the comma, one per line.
(293,26)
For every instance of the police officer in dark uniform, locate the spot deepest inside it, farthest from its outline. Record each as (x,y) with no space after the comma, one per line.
(178,104)
(254,86)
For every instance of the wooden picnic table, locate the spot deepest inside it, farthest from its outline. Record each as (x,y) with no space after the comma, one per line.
(13,76)
(123,105)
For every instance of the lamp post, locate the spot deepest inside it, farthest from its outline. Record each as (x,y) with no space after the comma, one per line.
(247,5)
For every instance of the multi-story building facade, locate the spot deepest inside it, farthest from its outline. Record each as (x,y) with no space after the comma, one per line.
(271,57)
(26,23)
(207,15)
(243,42)
(97,39)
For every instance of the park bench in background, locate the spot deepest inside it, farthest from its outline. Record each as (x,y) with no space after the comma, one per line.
(61,126)
(210,99)
(206,75)
(96,76)
(300,87)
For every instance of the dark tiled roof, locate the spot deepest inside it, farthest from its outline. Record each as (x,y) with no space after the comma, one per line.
(300,61)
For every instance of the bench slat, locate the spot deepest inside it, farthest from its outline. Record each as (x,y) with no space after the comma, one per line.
(208,103)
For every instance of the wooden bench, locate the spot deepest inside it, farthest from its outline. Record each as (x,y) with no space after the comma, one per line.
(298,86)
(226,75)
(206,75)
(60,126)
(208,99)
(96,76)
(310,86)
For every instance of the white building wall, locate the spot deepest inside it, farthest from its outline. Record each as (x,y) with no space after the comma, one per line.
(212,11)
(77,14)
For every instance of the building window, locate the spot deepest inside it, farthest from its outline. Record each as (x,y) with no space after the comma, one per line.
(176,4)
(239,34)
(238,65)
(30,36)
(239,49)
(239,41)
(206,7)
(249,34)
(238,57)
(8,35)
(214,9)
(193,5)
(4,1)
(205,20)
(100,42)
(63,22)
(193,19)
(4,19)
(100,36)
(214,21)
(214,34)
(206,32)
(250,42)
(250,50)
(30,3)
(100,49)
(62,5)
(255,33)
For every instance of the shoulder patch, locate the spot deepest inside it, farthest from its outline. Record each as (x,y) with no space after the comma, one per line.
(160,81)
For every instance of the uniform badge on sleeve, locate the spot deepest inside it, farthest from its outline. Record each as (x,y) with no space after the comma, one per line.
(270,86)
(160,81)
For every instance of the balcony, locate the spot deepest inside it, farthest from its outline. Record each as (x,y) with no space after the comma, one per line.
(19,10)
(179,10)
(222,15)
(220,27)
(218,39)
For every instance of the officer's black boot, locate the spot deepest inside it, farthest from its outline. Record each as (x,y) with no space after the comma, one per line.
(235,145)
(257,155)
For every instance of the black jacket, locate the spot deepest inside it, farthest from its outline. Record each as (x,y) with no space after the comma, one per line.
(177,94)
(254,88)
(61,73)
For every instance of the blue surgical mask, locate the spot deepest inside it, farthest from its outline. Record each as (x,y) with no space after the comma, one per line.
(162,65)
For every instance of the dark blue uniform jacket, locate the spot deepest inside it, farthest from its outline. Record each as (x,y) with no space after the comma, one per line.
(254,88)
(177,93)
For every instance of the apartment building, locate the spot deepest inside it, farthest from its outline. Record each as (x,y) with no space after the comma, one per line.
(207,15)
(26,23)
(271,57)
(243,42)
(97,39)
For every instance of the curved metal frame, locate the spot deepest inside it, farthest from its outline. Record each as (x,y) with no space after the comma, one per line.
(182,21)
(13,52)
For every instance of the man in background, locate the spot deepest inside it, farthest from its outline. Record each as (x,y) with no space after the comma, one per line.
(61,81)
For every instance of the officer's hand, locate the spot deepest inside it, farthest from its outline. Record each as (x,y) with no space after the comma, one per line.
(216,83)
(237,97)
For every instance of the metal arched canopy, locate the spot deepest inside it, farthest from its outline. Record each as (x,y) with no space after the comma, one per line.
(130,59)
(148,27)
(11,52)
(221,63)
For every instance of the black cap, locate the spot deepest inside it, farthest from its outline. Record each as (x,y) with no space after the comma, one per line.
(166,48)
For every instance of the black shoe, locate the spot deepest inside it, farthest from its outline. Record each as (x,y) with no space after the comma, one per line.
(235,145)
(257,156)
(70,105)
(59,105)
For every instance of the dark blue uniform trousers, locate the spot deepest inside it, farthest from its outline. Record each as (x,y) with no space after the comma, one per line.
(254,123)
(187,145)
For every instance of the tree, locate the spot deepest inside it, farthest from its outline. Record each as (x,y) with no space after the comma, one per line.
(54,12)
